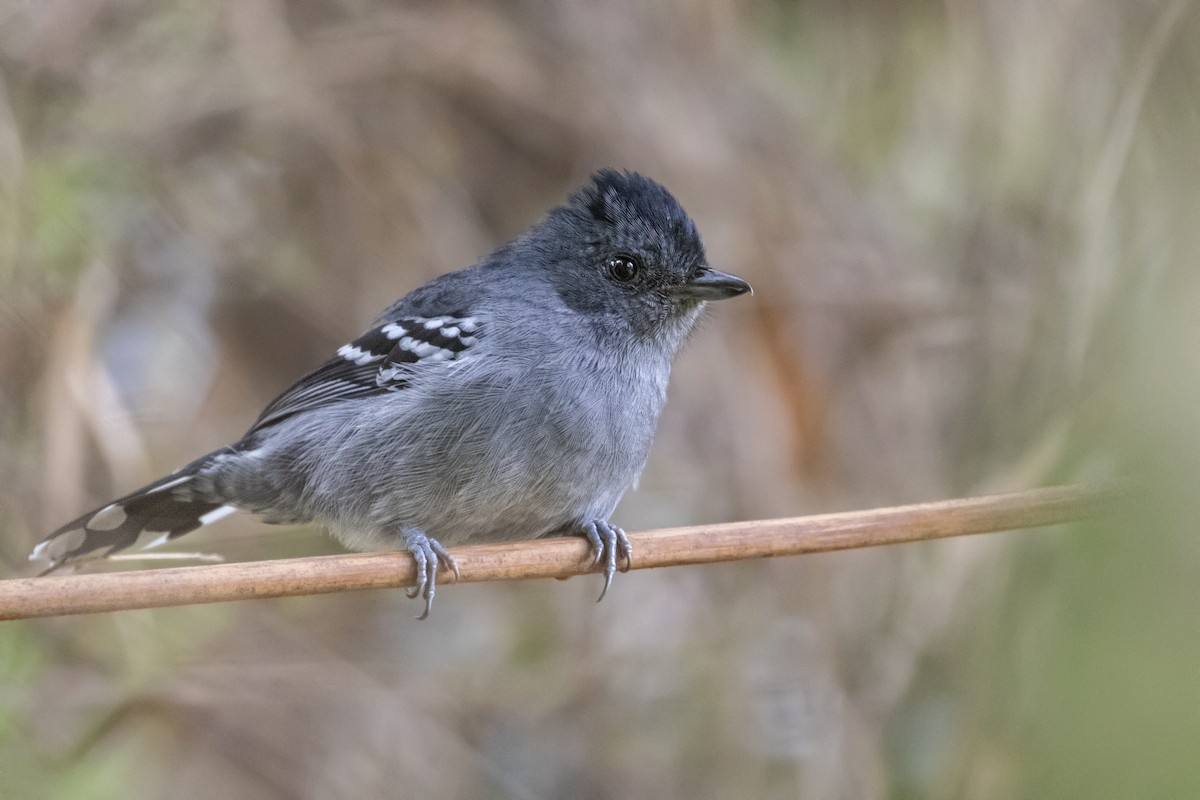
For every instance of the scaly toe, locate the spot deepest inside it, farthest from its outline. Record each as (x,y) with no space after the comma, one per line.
(418,554)
(608,544)
(429,581)
(611,542)
(444,558)
(428,555)
(626,549)
(428,601)
(592,532)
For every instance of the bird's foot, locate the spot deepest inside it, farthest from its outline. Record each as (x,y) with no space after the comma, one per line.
(607,542)
(428,553)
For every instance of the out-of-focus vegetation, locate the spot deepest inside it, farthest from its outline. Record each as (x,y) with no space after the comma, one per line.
(972,229)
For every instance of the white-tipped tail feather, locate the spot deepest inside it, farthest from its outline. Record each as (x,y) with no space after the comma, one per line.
(166,507)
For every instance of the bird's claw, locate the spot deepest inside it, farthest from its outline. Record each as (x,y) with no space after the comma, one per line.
(607,541)
(429,554)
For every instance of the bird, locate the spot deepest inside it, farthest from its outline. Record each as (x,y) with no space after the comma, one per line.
(517,398)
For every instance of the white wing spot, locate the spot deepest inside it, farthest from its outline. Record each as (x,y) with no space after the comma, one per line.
(436,322)
(108,518)
(468,325)
(357,355)
(393,331)
(386,376)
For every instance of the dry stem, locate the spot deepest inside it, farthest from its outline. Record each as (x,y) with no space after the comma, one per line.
(550,558)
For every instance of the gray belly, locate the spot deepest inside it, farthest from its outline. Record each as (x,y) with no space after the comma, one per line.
(505,458)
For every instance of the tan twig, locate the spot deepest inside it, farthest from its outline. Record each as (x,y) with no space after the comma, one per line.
(550,558)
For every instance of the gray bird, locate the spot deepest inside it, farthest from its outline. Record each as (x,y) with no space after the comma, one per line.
(514,399)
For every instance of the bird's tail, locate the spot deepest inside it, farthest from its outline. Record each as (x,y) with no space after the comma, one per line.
(169,507)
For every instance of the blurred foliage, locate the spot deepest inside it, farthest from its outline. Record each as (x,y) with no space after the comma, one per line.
(972,232)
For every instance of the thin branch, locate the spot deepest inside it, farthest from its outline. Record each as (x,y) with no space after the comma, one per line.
(551,558)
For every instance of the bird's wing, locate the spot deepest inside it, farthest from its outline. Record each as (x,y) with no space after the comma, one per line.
(383,359)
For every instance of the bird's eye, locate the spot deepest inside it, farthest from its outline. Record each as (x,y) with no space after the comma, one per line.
(623,268)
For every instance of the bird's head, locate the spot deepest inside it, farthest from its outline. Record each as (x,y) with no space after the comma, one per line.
(623,252)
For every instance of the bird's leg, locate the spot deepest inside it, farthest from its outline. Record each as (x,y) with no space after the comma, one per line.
(428,553)
(607,541)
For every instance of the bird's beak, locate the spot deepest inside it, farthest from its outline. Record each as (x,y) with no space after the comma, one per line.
(712,284)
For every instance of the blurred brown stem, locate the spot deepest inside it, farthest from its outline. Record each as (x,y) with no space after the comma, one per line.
(551,558)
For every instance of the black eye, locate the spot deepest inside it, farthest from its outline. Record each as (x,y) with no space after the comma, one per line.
(623,268)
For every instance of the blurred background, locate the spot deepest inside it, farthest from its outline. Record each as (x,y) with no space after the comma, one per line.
(972,229)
